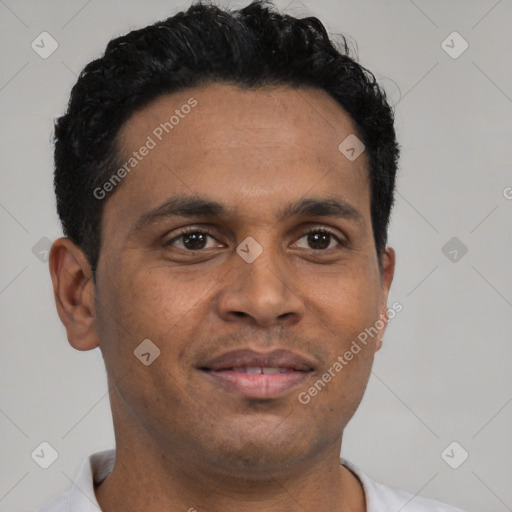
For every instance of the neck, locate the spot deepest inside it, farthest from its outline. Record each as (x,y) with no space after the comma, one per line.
(147,478)
(152,473)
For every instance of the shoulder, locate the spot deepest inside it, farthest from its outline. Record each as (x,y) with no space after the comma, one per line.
(59,504)
(398,499)
(81,496)
(381,498)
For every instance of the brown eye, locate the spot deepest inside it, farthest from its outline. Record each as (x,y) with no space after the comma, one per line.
(191,240)
(321,239)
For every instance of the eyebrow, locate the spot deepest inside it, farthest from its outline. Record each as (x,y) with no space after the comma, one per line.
(193,207)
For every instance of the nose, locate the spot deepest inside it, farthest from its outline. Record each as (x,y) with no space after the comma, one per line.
(261,293)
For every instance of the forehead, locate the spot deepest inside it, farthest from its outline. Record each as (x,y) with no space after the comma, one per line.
(306,116)
(248,147)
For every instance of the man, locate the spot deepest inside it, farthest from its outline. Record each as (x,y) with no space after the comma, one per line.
(224,181)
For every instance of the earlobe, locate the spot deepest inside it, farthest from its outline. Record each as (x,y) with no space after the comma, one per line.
(73,289)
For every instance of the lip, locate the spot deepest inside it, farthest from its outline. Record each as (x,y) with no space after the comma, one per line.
(248,358)
(228,371)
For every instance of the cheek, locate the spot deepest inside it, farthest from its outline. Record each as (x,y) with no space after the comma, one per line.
(347,308)
(156,299)
(135,306)
(339,385)
(146,306)
(169,308)
(345,302)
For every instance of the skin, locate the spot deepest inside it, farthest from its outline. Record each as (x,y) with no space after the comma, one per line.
(183,442)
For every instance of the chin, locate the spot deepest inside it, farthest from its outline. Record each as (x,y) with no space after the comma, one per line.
(265,454)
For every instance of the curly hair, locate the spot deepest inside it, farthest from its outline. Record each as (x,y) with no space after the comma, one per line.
(251,47)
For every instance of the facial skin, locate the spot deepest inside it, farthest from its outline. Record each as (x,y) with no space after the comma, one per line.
(182,440)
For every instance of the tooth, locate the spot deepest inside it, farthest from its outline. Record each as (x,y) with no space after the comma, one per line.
(270,371)
(251,371)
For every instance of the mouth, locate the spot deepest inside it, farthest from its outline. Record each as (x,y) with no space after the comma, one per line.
(258,375)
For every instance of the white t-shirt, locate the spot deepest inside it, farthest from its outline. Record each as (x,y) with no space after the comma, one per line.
(379,498)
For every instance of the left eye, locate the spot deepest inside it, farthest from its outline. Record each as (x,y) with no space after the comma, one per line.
(321,238)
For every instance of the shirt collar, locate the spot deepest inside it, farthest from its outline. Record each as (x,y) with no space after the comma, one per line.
(93,471)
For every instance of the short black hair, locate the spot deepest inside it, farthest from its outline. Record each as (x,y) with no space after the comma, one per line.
(250,47)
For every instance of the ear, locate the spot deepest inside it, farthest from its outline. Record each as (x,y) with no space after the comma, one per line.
(73,288)
(388,271)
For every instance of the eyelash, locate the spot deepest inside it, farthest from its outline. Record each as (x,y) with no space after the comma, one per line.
(206,231)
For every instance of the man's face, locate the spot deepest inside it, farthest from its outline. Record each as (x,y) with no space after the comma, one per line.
(257,154)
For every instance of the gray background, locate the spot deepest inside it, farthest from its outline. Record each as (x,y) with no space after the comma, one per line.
(443,374)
